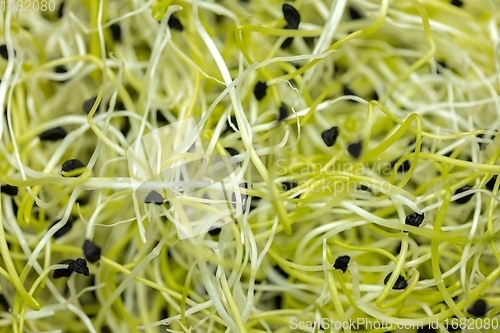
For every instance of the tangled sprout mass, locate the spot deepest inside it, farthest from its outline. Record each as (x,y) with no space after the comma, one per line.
(365,130)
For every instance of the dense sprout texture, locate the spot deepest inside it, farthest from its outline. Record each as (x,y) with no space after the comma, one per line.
(349,121)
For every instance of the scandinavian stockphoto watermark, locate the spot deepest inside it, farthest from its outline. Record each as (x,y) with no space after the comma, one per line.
(170,165)
(353,324)
(466,324)
(338,178)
